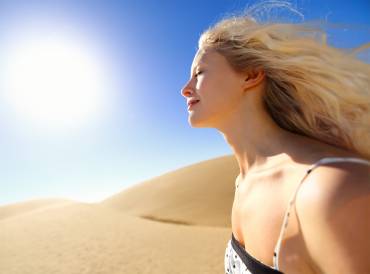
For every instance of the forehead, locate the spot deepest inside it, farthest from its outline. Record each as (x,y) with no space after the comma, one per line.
(201,57)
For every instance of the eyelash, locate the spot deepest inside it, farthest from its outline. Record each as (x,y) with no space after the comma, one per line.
(199,72)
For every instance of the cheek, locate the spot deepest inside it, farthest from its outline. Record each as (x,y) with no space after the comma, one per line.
(222,90)
(211,86)
(217,91)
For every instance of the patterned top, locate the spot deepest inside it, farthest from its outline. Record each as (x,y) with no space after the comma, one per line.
(239,261)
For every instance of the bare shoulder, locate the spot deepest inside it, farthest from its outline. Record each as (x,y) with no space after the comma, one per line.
(333,208)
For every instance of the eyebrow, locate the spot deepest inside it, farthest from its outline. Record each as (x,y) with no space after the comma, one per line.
(197,63)
(192,70)
(194,67)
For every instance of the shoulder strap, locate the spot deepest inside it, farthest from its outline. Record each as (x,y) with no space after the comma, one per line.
(327,160)
(292,199)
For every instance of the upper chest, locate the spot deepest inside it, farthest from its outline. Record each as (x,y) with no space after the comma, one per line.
(257,217)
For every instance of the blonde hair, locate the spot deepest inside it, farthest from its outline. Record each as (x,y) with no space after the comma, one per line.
(311,88)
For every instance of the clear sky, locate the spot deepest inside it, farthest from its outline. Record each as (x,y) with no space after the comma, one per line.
(90,97)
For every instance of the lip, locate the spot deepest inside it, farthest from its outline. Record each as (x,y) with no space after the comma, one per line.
(192,103)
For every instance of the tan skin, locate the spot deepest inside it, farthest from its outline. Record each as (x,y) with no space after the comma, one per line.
(328,229)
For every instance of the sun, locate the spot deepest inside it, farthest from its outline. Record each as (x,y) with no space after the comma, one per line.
(52,83)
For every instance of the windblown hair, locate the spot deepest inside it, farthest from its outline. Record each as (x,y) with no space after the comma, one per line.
(312,89)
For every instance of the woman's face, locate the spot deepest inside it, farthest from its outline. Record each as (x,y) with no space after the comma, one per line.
(217,87)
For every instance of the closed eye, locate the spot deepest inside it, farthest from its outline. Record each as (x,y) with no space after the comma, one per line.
(198,73)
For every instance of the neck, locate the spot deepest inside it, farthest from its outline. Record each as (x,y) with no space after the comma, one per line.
(256,140)
(261,150)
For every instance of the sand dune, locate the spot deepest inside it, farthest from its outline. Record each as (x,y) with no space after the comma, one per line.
(185,227)
(12,210)
(199,194)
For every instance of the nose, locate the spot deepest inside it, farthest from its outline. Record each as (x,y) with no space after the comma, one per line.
(187,90)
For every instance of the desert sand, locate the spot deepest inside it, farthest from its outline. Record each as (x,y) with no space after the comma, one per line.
(178,222)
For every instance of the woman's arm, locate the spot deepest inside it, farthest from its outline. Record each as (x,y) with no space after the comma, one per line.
(333,208)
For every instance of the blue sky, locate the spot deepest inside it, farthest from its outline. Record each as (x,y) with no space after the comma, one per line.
(144,50)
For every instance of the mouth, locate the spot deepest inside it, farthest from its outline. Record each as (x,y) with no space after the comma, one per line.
(192,103)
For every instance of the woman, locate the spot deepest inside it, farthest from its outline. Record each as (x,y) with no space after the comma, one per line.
(296,115)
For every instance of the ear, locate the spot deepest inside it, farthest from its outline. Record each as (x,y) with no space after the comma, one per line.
(253,78)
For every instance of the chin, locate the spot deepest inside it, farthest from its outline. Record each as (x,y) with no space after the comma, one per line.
(194,125)
(197,123)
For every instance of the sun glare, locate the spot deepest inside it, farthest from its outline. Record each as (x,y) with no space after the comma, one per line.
(52,83)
